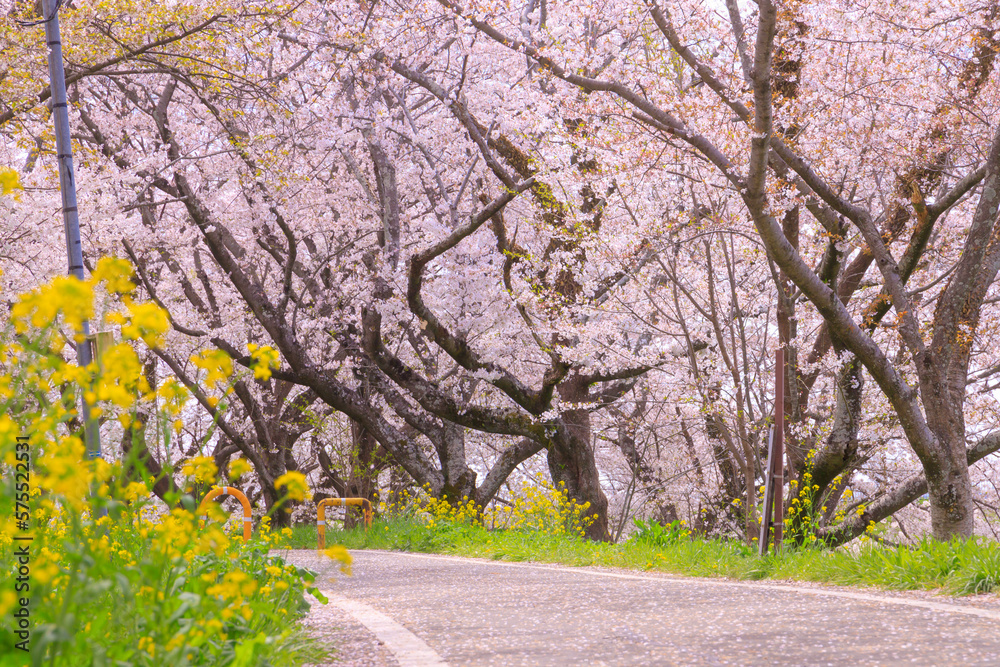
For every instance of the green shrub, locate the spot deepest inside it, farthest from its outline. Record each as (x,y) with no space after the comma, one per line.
(654,534)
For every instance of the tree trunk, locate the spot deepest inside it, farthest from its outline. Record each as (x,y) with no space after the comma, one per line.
(948,483)
(362,478)
(135,451)
(459,479)
(280,515)
(571,461)
(951,499)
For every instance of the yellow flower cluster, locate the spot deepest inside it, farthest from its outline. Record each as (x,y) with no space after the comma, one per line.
(339,554)
(264,536)
(201,468)
(294,485)
(800,518)
(179,532)
(144,321)
(264,360)
(64,472)
(234,586)
(216,363)
(535,506)
(440,510)
(9,181)
(7,601)
(173,395)
(544,507)
(64,295)
(115,273)
(135,492)
(238,468)
(121,377)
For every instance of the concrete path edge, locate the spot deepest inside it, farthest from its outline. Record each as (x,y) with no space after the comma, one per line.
(408,649)
(868,597)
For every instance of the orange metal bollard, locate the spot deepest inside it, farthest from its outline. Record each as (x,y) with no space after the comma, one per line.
(235,493)
(336,502)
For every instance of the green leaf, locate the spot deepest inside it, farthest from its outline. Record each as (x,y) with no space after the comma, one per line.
(316,593)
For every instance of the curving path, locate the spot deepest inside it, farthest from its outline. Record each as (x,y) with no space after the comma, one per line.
(416,609)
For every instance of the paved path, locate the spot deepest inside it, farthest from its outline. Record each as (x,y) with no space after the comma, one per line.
(433,610)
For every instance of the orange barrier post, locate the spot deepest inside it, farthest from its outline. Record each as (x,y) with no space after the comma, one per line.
(235,493)
(336,502)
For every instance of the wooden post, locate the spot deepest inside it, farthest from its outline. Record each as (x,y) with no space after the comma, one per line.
(772,516)
(765,512)
(778,462)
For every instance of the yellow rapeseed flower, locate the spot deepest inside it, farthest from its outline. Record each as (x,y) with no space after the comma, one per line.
(202,468)
(174,395)
(294,484)
(7,601)
(122,377)
(147,645)
(40,307)
(234,586)
(216,363)
(339,554)
(147,322)
(116,273)
(135,491)
(62,472)
(238,468)
(9,181)
(264,359)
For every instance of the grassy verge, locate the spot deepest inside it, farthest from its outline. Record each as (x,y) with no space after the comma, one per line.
(957,567)
(128,591)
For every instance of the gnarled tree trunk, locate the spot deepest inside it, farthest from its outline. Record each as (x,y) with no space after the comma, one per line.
(571,459)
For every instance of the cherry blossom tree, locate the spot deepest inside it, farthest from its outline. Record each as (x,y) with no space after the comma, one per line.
(289,280)
(825,149)
(576,229)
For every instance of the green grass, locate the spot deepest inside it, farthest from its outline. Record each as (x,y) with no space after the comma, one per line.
(959,567)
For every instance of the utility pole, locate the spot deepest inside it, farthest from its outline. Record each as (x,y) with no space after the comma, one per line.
(67,188)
